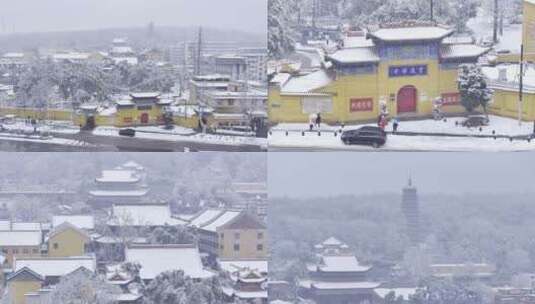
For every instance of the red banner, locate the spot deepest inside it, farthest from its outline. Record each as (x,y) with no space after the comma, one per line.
(361,104)
(451,99)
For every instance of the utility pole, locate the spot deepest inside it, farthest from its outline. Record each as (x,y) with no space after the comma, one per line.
(521,84)
(495,25)
(431,8)
(197,70)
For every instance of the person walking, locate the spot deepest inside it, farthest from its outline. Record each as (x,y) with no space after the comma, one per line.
(318,120)
(395,124)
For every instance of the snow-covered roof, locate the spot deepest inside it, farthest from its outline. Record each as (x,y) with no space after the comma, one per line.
(458,40)
(332,241)
(119,193)
(143,215)
(13,55)
(307,83)
(117,176)
(132,164)
(405,293)
(155,259)
(342,264)
(411,33)
(461,51)
(357,41)
(122,50)
(205,217)
(355,55)
(20,226)
(20,238)
(71,56)
(339,285)
(237,265)
(80,221)
(128,60)
(55,266)
(223,219)
(145,95)
(280,78)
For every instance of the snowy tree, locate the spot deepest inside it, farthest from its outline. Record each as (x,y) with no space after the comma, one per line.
(417,263)
(175,287)
(171,235)
(83,287)
(280,41)
(473,88)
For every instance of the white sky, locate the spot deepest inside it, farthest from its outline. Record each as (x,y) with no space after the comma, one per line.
(59,15)
(305,175)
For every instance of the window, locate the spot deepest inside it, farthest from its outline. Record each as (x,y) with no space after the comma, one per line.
(259,247)
(237,235)
(56,246)
(15,251)
(236,247)
(222,235)
(260,235)
(25,251)
(221,247)
(35,251)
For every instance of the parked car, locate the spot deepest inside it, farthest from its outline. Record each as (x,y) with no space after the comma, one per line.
(367,135)
(475,121)
(127,132)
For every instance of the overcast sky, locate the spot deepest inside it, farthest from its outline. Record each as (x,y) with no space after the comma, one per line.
(60,15)
(329,174)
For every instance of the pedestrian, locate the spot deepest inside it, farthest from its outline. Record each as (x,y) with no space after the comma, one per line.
(318,120)
(395,124)
(382,123)
(311,121)
(379,119)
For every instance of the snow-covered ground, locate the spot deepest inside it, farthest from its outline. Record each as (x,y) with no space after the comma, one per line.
(327,140)
(43,140)
(183,134)
(482,28)
(64,127)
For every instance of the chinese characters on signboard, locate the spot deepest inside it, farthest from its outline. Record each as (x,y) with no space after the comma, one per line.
(361,104)
(451,98)
(407,70)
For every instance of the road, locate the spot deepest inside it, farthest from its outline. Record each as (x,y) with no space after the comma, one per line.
(113,143)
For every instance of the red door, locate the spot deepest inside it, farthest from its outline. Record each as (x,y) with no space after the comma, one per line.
(407,99)
(144,118)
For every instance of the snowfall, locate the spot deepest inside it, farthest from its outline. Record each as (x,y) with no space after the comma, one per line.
(278,140)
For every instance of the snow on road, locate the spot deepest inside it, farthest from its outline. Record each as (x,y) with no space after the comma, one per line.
(399,143)
(182,134)
(43,140)
(327,140)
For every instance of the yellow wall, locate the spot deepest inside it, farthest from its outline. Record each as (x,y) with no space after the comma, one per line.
(288,108)
(528,27)
(17,290)
(38,114)
(70,243)
(133,114)
(505,103)
(248,241)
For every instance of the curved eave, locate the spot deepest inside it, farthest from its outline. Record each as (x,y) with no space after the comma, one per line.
(401,41)
(350,63)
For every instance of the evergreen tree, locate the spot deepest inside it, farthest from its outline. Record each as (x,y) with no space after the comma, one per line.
(473,88)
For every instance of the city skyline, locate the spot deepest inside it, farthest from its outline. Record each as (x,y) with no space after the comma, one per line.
(49,16)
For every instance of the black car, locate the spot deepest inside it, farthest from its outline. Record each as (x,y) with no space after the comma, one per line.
(475,121)
(367,135)
(127,132)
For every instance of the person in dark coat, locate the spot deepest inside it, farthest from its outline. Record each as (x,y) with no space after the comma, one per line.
(318,120)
